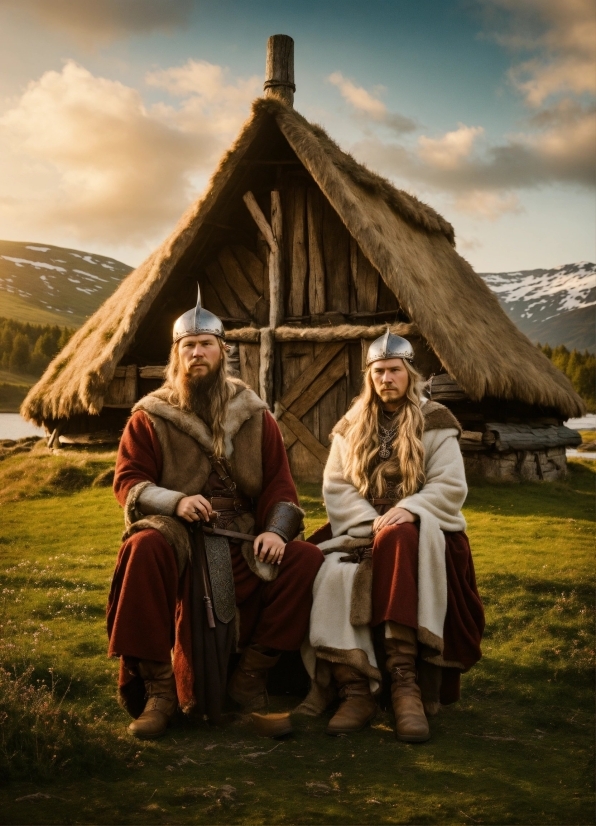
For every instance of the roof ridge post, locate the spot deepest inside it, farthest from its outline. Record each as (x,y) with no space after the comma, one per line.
(279,69)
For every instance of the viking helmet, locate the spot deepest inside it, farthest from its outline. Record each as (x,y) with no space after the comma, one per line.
(389,346)
(196,321)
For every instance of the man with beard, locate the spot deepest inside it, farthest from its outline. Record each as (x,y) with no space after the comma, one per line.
(393,486)
(209,557)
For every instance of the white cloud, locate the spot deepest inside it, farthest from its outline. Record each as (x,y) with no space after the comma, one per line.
(485,204)
(555,73)
(114,169)
(448,151)
(210,101)
(562,36)
(370,106)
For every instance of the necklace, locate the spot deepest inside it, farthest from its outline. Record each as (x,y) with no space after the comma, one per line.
(386,438)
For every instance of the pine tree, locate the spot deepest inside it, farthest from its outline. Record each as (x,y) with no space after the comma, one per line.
(20,356)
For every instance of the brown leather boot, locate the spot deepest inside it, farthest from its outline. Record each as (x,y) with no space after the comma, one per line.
(411,722)
(248,684)
(358,706)
(162,702)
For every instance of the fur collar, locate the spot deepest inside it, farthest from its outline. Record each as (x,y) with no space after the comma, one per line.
(243,405)
(436,417)
(439,417)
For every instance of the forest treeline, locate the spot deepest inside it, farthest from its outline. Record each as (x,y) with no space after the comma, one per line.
(580,369)
(29,348)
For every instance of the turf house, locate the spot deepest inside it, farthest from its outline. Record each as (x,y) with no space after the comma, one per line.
(307,256)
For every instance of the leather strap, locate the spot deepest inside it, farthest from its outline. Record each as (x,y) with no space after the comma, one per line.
(230,503)
(382,501)
(232,534)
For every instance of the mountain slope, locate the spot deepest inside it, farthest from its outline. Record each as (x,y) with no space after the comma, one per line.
(43,284)
(553,307)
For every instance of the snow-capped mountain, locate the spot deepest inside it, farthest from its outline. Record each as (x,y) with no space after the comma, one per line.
(61,285)
(553,307)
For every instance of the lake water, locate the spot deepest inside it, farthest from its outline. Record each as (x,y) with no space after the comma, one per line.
(13,426)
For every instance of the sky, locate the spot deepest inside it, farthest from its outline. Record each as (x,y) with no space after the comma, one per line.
(114,113)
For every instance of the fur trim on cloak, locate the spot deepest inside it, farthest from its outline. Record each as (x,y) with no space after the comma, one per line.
(170,422)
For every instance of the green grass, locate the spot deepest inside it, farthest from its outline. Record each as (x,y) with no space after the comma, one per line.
(13,389)
(518,748)
(13,306)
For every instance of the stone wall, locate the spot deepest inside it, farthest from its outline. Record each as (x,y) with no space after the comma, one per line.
(546,465)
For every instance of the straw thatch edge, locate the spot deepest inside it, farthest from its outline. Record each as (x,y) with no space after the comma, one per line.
(78,378)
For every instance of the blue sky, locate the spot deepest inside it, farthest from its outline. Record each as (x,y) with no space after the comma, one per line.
(113,114)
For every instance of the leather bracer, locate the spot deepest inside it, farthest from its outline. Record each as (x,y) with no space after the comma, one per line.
(285,519)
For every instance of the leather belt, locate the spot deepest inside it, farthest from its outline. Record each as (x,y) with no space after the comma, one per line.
(233,504)
(247,537)
(376,502)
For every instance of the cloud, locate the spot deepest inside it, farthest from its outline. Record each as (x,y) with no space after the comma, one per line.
(92,20)
(124,171)
(562,36)
(209,100)
(485,204)
(369,106)
(555,76)
(560,152)
(448,151)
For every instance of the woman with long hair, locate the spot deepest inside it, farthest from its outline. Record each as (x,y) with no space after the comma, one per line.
(396,593)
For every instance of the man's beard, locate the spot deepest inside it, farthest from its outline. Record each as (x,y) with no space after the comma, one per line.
(196,392)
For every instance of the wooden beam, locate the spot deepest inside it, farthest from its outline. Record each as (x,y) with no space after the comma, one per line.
(311,373)
(320,386)
(298,255)
(266,364)
(249,364)
(273,236)
(252,266)
(317,389)
(212,301)
(303,434)
(237,280)
(365,278)
(259,219)
(316,281)
(336,252)
(276,280)
(151,371)
(225,294)
(122,391)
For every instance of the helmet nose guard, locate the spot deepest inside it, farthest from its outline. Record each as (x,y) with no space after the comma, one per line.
(196,321)
(389,346)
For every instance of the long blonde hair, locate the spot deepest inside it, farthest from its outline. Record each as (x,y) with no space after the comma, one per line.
(211,405)
(405,468)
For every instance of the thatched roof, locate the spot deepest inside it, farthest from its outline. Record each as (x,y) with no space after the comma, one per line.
(410,244)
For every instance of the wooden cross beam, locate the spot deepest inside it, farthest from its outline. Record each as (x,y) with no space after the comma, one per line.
(328,367)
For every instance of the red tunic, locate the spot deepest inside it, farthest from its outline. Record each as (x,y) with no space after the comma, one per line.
(148,609)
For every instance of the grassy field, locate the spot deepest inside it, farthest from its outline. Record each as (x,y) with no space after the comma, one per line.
(518,748)
(13,389)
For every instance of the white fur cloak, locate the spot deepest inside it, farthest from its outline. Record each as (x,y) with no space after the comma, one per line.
(437,504)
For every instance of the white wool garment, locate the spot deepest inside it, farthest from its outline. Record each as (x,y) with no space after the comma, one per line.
(437,505)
